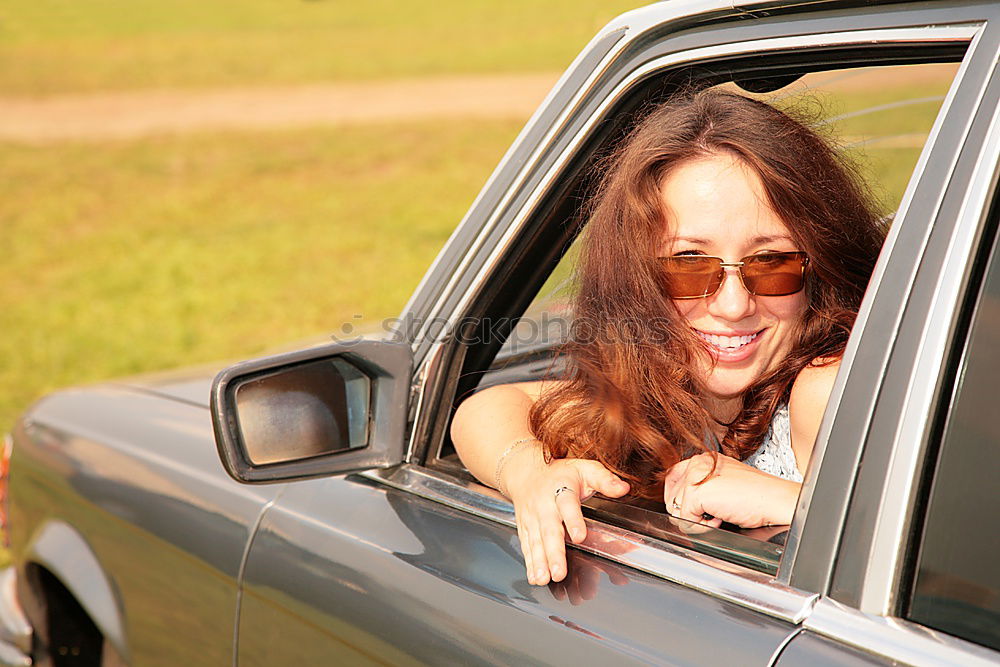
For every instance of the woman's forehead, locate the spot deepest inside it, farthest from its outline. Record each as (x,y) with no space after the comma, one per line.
(717,197)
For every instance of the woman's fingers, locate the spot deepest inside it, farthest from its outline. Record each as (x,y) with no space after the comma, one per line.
(554,545)
(540,574)
(677,473)
(568,504)
(596,477)
(550,501)
(522,537)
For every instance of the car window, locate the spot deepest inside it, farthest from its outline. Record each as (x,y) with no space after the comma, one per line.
(879,116)
(956,584)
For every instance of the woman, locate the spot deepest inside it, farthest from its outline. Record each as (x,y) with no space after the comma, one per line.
(726,254)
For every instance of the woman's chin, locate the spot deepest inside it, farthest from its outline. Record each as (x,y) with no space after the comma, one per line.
(727,391)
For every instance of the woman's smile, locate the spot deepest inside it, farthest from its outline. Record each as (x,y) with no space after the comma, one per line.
(732,347)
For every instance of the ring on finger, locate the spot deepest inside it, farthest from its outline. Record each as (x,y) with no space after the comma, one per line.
(674,505)
(562,489)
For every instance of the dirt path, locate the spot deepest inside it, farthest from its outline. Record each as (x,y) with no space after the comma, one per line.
(129,115)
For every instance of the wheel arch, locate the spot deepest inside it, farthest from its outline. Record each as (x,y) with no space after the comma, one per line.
(64,553)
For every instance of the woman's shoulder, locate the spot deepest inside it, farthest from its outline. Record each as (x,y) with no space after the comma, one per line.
(807,402)
(814,382)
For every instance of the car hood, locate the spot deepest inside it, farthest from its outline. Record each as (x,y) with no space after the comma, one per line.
(191,385)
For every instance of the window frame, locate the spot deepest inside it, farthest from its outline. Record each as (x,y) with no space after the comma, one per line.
(440,362)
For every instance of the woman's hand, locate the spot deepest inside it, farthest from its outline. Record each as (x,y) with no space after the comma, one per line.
(734,492)
(547,497)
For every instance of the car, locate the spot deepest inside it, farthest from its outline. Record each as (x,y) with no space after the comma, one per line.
(309,508)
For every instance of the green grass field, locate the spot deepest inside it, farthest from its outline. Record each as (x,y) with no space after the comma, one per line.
(55,46)
(150,254)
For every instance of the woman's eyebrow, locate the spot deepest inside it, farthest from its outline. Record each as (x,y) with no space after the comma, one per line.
(757,240)
(764,240)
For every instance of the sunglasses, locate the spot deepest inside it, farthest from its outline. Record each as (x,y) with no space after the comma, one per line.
(764,274)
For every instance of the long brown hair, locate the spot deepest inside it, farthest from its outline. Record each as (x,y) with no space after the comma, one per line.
(632,401)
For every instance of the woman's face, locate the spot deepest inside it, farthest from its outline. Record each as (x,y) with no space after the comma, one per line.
(717,206)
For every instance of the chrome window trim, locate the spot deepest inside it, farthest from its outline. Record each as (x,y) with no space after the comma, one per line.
(972,33)
(733,583)
(894,638)
(890,543)
(418,428)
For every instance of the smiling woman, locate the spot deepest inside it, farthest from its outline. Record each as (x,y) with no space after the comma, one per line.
(691,385)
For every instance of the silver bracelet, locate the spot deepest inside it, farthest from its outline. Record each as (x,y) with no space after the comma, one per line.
(503,459)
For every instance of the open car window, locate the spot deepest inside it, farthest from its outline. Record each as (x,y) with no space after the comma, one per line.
(881,115)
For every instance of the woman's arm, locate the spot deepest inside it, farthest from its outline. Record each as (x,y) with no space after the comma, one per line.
(728,490)
(491,420)
(491,434)
(735,492)
(806,405)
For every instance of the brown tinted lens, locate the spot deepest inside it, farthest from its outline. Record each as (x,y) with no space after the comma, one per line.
(691,276)
(774,273)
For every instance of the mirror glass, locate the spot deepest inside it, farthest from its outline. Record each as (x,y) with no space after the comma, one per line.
(296,412)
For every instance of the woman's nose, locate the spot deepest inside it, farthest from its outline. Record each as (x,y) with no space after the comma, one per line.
(732,302)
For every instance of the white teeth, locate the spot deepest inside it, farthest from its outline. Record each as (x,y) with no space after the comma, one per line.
(726,342)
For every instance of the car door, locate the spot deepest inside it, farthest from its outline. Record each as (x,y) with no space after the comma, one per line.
(420,563)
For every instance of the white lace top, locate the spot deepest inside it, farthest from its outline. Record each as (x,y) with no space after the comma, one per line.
(775,455)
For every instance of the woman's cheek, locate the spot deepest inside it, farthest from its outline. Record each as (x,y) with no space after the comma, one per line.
(686,307)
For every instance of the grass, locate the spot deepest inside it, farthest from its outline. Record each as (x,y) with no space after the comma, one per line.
(126,257)
(54,46)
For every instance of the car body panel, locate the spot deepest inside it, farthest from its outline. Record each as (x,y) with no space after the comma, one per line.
(190,386)
(336,561)
(807,648)
(140,482)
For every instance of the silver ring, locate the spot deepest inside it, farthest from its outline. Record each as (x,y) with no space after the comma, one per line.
(561,489)
(674,505)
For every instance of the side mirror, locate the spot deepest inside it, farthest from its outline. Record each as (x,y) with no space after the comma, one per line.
(327,410)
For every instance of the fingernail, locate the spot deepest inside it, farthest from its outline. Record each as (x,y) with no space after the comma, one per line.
(539,575)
